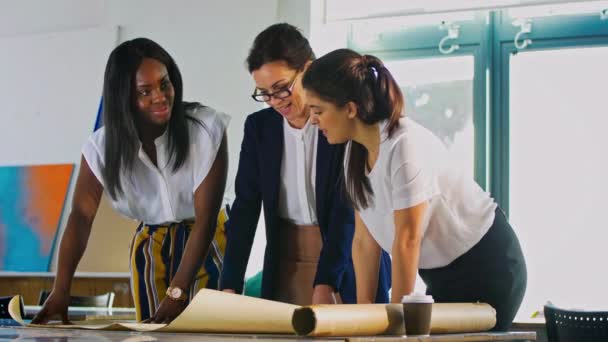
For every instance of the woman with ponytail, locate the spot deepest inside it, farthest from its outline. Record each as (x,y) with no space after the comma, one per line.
(410,199)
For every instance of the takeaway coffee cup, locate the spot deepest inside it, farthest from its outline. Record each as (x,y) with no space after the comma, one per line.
(417,310)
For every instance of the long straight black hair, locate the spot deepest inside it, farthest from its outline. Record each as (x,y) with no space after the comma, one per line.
(119,110)
(344,76)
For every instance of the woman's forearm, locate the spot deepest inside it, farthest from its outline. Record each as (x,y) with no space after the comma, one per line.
(85,202)
(207,203)
(406,249)
(366,261)
(195,252)
(404,268)
(73,245)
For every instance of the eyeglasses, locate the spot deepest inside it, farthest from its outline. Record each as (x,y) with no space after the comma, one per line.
(280,94)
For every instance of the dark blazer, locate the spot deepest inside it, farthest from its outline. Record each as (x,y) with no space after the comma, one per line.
(258,181)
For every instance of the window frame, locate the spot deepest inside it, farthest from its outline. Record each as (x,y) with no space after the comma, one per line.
(489,38)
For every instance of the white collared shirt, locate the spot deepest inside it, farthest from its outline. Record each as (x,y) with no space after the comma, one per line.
(298,174)
(414,167)
(158,195)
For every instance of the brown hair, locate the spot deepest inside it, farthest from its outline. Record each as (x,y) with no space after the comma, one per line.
(344,76)
(280,42)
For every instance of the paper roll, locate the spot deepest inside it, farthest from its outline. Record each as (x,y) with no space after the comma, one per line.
(219,312)
(209,311)
(462,317)
(348,320)
(215,311)
(383,319)
(14,309)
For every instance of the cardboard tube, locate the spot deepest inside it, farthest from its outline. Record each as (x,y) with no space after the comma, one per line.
(347,320)
(462,317)
(14,309)
(383,319)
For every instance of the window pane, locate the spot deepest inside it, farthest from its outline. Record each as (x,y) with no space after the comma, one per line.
(439,95)
(558,168)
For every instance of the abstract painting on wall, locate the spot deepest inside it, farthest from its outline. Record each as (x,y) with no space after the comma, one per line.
(32,199)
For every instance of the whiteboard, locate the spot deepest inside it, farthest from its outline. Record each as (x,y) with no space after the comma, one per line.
(50,89)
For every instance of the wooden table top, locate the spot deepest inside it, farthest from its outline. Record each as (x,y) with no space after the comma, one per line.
(78,334)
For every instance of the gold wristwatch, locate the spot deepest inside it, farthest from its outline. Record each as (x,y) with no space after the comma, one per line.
(175,293)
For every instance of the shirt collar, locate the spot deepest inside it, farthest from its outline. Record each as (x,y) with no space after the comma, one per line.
(298,132)
(162,139)
(160,143)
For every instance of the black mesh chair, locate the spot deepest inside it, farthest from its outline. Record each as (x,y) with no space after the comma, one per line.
(576,326)
(105,300)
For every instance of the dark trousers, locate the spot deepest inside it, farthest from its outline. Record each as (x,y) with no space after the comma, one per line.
(493,272)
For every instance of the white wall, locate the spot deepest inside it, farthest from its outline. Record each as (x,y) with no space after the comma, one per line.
(38,79)
(47,113)
(309,17)
(325,36)
(38,16)
(297,13)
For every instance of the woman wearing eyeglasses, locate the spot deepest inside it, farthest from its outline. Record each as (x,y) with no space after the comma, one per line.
(289,167)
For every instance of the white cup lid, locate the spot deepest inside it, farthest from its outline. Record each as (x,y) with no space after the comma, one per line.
(417,298)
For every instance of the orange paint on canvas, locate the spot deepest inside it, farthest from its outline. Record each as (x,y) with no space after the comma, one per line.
(47,187)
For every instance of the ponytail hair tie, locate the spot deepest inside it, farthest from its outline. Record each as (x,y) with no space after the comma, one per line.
(374,71)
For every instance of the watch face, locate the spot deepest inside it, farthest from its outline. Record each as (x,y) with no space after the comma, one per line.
(176,292)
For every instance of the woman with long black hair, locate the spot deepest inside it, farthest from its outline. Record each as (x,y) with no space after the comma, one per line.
(163,162)
(410,199)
